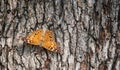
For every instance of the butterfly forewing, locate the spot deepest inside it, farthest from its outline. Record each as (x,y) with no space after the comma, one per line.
(35,37)
(48,36)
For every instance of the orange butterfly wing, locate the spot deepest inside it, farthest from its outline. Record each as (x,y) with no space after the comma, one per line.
(49,41)
(35,37)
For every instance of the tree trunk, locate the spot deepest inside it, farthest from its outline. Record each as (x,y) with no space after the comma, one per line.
(87,31)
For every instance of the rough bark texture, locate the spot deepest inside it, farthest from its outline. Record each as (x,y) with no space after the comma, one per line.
(88,32)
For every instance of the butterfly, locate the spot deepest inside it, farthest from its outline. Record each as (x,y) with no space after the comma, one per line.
(44,38)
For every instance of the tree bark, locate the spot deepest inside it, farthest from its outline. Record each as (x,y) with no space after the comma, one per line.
(87,31)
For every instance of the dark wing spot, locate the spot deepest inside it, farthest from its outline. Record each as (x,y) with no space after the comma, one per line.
(36,34)
(50,38)
(51,48)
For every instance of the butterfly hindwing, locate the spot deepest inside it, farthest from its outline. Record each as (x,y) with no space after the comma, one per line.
(49,41)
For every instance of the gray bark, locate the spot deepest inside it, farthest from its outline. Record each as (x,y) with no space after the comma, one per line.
(87,31)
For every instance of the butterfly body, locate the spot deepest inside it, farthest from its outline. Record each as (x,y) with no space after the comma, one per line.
(43,38)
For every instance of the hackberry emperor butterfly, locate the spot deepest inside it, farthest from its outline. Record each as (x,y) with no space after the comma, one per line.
(43,38)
